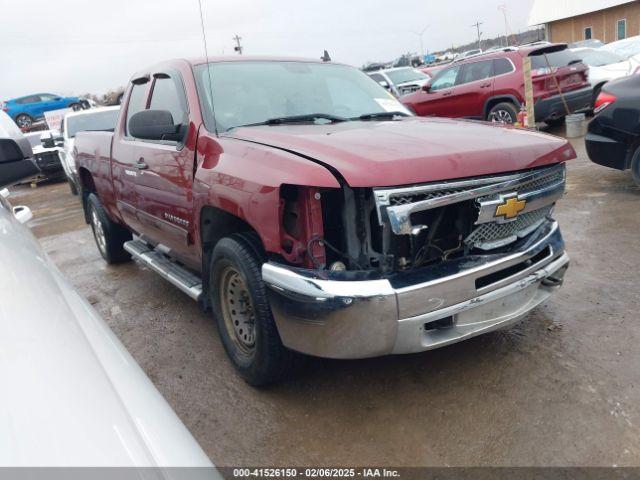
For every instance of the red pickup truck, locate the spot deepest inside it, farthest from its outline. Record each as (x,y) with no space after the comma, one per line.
(312,212)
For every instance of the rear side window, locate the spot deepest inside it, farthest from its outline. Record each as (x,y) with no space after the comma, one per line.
(502,66)
(137,102)
(556,59)
(168,94)
(29,99)
(472,72)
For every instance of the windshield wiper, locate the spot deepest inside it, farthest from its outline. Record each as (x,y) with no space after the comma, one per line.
(376,115)
(310,117)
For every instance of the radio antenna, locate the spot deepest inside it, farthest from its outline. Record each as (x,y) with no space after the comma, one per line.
(206,56)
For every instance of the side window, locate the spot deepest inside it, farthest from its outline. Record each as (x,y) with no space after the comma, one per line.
(445,79)
(502,66)
(29,99)
(137,102)
(47,97)
(168,94)
(472,72)
(377,77)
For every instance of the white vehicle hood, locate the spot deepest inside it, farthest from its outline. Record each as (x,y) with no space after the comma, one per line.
(71,393)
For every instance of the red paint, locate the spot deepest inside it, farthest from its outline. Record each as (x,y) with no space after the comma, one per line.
(241,172)
(470,99)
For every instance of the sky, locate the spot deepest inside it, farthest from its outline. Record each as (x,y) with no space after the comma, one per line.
(74,47)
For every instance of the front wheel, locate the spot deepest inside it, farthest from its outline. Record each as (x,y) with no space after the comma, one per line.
(75,107)
(109,236)
(503,113)
(245,322)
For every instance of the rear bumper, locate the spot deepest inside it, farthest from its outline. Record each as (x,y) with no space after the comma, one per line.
(607,151)
(553,107)
(333,318)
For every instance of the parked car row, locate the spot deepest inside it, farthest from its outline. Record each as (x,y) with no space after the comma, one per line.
(490,86)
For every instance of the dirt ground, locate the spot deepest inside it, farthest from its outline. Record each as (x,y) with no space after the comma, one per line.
(562,388)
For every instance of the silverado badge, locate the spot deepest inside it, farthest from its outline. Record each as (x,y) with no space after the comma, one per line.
(510,208)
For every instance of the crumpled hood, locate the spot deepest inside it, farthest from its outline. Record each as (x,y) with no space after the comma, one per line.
(412,150)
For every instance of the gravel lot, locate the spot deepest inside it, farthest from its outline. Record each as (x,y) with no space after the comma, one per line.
(560,389)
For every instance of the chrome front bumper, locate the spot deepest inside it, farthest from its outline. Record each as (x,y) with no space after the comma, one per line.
(321,314)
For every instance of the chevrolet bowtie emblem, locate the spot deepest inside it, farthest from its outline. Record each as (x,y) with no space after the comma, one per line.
(510,208)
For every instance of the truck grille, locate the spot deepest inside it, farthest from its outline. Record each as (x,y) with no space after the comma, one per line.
(474,204)
(494,235)
(426,192)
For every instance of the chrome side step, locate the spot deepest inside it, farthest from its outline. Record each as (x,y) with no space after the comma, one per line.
(165,267)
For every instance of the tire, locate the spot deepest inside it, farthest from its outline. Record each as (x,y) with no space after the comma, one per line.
(24,121)
(504,112)
(635,168)
(75,107)
(72,187)
(109,236)
(249,337)
(555,122)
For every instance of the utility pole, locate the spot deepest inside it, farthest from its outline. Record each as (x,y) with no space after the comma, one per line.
(238,47)
(477,26)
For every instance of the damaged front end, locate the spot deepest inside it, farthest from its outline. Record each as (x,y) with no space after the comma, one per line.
(373,271)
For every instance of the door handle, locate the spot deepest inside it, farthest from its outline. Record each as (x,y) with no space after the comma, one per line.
(141,165)
(446,94)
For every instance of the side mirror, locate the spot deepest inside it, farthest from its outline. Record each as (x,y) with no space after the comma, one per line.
(155,125)
(427,87)
(47,140)
(384,84)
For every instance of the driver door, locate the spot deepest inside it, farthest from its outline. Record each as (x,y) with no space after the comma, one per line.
(165,176)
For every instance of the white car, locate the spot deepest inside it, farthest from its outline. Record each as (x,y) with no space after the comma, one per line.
(72,396)
(401,81)
(605,65)
(626,48)
(102,118)
(467,54)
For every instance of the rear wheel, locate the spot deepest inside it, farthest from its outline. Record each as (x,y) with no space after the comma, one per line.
(109,236)
(504,112)
(245,322)
(24,121)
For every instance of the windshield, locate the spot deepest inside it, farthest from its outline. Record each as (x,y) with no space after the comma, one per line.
(625,48)
(599,58)
(246,93)
(91,121)
(406,75)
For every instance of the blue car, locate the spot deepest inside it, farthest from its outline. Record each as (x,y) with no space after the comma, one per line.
(29,109)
